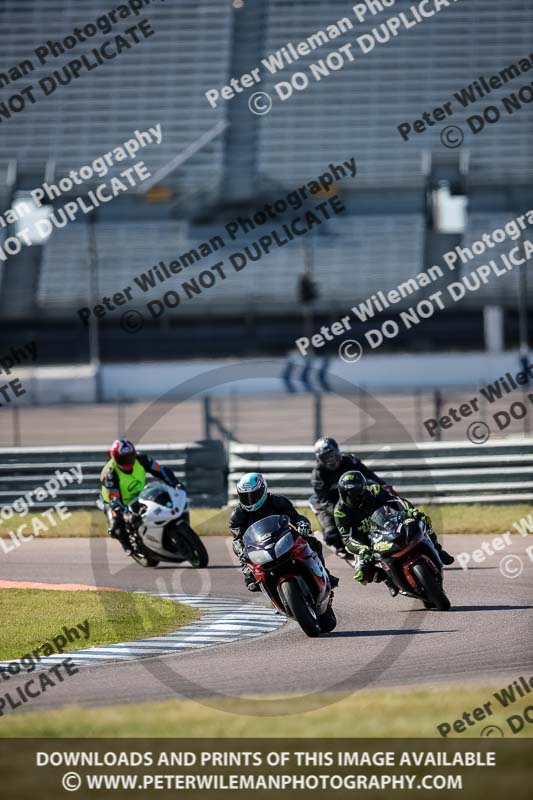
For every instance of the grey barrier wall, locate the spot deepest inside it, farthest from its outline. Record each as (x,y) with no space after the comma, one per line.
(202,466)
(453,472)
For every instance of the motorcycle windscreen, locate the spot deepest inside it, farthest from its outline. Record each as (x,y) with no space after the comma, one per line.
(388,519)
(266,530)
(157,493)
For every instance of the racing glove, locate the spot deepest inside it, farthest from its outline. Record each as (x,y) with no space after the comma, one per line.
(118,508)
(417,514)
(238,548)
(304,528)
(364,565)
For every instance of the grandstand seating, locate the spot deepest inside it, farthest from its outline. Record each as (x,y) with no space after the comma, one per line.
(354,112)
(161,80)
(501,290)
(355,257)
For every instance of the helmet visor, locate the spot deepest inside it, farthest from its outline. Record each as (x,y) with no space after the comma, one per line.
(249,499)
(354,496)
(125,461)
(330,459)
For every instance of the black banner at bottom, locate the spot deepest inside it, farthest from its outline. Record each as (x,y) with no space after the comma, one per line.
(48,769)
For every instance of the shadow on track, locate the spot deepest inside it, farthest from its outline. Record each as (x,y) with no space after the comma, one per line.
(470,569)
(466,608)
(489,608)
(169,565)
(401,632)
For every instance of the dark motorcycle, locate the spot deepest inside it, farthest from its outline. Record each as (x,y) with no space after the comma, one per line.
(403,549)
(290,573)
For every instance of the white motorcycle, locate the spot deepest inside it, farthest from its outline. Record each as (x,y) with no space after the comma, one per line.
(159,529)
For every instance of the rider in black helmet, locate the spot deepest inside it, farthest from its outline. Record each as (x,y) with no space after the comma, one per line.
(358,499)
(330,465)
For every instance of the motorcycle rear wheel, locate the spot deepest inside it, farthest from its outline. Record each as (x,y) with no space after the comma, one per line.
(300,610)
(431,586)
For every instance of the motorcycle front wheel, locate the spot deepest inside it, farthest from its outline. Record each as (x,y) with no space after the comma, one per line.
(299,609)
(431,586)
(198,555)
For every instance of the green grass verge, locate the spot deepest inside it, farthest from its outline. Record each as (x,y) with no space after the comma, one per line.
(37,616)
(475,519)
(369,713)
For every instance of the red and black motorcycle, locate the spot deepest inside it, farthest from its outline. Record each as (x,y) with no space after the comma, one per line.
(290,573)
(403,549)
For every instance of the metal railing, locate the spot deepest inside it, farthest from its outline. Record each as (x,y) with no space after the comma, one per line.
(452,472)
(202,466)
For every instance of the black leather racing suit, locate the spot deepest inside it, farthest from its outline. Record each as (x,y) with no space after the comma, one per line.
(324,482)
(354,525)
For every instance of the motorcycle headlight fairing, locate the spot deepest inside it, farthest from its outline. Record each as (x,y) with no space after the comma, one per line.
(284,544)
(260,556)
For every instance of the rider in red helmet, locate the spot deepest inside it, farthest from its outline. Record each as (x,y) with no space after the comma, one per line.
(122,478)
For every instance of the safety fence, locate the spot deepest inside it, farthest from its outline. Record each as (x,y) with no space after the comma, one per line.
(451,472)
(202,466)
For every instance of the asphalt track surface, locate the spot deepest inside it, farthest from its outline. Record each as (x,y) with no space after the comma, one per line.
(486,638)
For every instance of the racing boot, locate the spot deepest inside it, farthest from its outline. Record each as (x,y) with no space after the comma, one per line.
(124,540)
(250,582)
(334,581)
(382,577)
(334,539)
(444,556)
(118,531)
